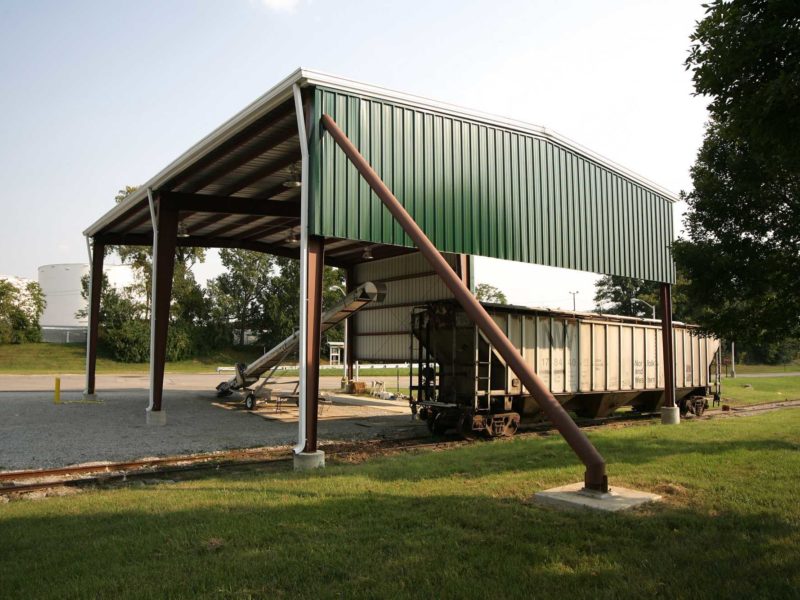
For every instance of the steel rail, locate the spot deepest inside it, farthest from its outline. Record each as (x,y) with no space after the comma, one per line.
(595,475)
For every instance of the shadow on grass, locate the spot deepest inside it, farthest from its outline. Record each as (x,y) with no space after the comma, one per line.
(277,540)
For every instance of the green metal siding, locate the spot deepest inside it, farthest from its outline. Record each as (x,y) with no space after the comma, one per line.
(484,190)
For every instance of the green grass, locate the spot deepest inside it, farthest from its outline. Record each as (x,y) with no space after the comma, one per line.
(71,358)
(742,391)
(22,359)
(448,524)
(742,369)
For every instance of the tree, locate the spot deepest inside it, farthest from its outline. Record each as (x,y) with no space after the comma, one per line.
(743,222)
(280,300)
(21,307)
(235,292)
(185,290)
(488,293)
(615,295)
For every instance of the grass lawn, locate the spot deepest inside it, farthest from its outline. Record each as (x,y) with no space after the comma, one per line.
(71,358)
(742,369)
(21,359)
(760,390)
(447,524)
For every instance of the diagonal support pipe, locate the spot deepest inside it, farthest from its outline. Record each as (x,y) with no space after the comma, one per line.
(595,475)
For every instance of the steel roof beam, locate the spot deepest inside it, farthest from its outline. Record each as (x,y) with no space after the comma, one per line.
(259,174)
(228,146)
(141,239)
(230,205)
(228,166)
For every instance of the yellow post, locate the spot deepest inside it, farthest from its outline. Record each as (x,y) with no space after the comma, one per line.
(57,394)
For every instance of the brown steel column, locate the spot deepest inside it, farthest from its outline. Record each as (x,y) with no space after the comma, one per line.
(96,279)
(595,475)
(316,250)
(350,284)
(166,241)
(667,342)
(462,270)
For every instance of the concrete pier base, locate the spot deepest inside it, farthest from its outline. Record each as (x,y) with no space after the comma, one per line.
(670,415)
(304,461)
(156,418)
(575,497)
(90,397)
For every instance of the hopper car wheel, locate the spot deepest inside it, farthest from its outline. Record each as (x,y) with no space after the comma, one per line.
(683,407)
(250,402)
(465,427)
(511,427)
(435,425)
(699,408)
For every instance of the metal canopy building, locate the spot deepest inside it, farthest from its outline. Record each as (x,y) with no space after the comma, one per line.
(271,179)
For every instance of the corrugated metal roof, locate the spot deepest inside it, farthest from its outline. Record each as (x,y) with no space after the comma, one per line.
(485,190)
(477,183)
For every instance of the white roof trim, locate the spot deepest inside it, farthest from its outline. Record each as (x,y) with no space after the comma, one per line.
(283,90)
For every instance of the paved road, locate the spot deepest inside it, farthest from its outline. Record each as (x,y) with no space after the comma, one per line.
(202,382)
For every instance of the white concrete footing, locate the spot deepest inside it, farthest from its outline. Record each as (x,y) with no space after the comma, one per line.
(155,418)
(90,397)
(670,415)
(575,497)
(304,461)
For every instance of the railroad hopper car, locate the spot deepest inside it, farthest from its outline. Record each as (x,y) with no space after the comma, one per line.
(592,363)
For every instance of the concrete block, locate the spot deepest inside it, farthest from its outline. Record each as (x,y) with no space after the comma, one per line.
(575,497)
(92,397)
(156,418)
(304,461)
(670,415)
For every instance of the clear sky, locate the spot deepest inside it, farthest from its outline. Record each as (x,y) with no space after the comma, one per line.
(98,94)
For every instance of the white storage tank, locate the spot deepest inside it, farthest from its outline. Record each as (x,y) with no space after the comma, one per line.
(62,287)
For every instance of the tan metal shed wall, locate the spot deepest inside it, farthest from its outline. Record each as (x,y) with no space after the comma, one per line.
(383,333)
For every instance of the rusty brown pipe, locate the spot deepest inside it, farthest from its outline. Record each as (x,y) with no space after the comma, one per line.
(595,476)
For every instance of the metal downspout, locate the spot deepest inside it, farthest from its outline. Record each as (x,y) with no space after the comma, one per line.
(89,311)
(301,405)
(595,475)
(154,222)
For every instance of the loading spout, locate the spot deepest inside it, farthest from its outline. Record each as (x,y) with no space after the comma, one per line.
(595,475)
(364,294)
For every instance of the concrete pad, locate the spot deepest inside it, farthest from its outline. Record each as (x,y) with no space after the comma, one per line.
(305,461)
(156,418)
(575,497)
(670,415)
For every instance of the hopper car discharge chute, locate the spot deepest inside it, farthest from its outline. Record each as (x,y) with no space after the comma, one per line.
(593,364)
(249,375)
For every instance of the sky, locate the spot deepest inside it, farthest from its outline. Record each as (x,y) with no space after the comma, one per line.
(97,95)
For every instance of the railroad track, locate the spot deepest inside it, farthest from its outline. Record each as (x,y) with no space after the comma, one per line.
(18,483)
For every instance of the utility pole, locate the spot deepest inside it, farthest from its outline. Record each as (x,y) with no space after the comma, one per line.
(575,293)
(733,359)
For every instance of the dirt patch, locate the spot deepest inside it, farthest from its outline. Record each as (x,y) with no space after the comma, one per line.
(671,489)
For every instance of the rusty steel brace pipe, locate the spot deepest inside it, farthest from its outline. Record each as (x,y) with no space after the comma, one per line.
(595,476)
